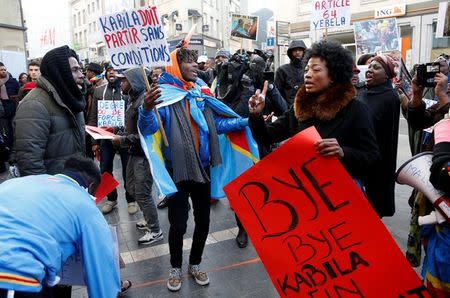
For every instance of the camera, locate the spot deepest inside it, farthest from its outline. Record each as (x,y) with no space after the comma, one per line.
(426,73)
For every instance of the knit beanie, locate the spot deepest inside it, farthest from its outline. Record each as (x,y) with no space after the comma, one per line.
(55,68)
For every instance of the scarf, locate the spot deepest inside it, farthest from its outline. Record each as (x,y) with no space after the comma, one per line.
(56,69)
(186,161)
(3,91)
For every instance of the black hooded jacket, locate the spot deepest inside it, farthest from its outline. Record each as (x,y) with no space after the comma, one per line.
(289,77)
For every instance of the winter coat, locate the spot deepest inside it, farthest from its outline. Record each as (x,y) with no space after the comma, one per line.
(46,132)
(12,87)
(384,104)
(339,116)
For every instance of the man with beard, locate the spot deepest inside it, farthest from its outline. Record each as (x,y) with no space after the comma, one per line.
(289,77)
(49,123)
(110,91)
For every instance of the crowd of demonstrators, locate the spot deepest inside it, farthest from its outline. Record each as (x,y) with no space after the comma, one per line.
(289,77)
(358,121)
(105,148)
(39,237)
(192,126)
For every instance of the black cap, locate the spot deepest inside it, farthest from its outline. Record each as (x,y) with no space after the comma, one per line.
(95,67)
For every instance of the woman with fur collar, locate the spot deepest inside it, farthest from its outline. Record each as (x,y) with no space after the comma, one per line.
(326,101)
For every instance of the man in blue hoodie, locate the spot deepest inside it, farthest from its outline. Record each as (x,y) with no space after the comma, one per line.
(44,219)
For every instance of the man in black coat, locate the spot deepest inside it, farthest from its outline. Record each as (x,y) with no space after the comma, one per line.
(289,77)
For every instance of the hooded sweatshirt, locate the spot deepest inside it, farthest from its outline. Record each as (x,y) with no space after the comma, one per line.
(130,139)
(289,77)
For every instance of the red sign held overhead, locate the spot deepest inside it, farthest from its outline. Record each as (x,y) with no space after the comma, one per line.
(314,230)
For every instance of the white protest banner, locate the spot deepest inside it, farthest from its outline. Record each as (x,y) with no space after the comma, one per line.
(111,113)
(135,38)
(330,14)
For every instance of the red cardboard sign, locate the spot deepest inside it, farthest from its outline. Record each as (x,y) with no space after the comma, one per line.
(107,185)
(314,230)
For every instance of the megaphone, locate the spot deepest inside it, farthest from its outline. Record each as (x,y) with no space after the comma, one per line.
(416,173)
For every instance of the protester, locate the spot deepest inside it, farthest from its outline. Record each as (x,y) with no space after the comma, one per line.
(34,71)
(94,79)
(384,104)
(436,264)
(8,91)
(326,101)
(419,118)
(110,91)
(191,125)
(289,77)
(57,218)
(23,79)
(139,178)
(365,59)
(49,124)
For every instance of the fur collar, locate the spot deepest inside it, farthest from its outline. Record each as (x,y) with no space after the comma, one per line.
(306,105)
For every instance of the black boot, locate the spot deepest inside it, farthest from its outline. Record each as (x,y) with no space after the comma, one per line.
(242,238)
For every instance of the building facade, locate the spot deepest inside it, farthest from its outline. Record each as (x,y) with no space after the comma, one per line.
(12,37)
(417,25)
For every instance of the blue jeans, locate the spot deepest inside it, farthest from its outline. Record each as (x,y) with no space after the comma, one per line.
(107,153)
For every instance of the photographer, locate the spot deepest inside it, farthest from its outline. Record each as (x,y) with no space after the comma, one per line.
(420,117)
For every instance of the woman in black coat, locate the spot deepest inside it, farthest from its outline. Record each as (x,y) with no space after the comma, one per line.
(326,101)
(384,104)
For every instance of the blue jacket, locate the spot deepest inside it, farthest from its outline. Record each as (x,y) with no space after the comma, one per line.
(148,124)
(45,219)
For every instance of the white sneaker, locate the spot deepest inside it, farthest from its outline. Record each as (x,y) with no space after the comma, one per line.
(151,237)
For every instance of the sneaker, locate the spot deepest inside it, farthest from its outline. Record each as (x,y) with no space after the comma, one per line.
(151,237)
(109,206)
(162,204)
(174,281)
(200,276)
(142,225)
(125,285)
(132,208)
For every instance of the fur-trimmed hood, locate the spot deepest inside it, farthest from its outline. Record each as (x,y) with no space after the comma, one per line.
(306,105)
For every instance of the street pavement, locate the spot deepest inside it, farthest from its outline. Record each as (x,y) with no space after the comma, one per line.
(233,272)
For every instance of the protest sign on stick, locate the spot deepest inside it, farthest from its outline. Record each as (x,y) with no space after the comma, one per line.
(314,230)
(330,14)
(135,38)
(244,26)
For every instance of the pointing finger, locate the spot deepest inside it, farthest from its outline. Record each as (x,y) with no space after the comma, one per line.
(266,85)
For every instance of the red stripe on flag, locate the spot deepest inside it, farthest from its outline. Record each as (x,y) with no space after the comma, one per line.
(238,138)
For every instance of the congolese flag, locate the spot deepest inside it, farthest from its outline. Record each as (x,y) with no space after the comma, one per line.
(239,150)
